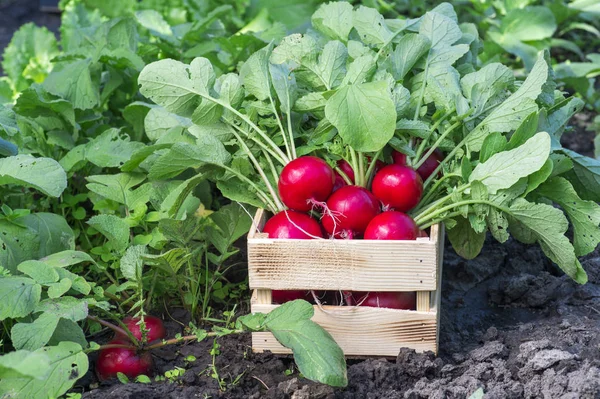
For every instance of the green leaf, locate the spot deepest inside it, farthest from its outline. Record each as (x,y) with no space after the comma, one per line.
(584,215)
(255,74)
(184,156)
(493,144)
(504,169)
(486,86)
(121,188)
(18,296)
(67,330)
(170,261)
(547,226)
(284,83)
(587,6)
(510,114)
(555,122)
(111,149)
(252,322)
(8,122)
(364,115)
(232,222)
(27,58)
(33,336)
(409,50)
(317,355)
(39,271)
(23,363)
(115,229)
(68,363)
(73,82)
(132,262)
(370,25)
(66,307)
(33,236)
(498,225)
(539,177)
(46,109)
(334,20)
(524,132)
(585,175)
(156,24)
(66,258)
(43,174)
(466,241)
(529,23)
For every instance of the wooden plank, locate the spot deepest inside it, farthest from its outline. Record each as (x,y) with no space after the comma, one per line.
(437,294)
(364,331)
(263,297)
(354,265)
(423,299)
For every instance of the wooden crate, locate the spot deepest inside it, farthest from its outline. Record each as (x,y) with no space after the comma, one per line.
(352,265)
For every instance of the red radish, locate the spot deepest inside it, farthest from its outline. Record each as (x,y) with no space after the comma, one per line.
(423,233)
(391,225)
(392,300)
(430,164)
(349,211)
(339,183)
(283,296)
(154,325)
(121,360)
(399,158)
(398,187)
(305,182)
(346,168)
(292,224)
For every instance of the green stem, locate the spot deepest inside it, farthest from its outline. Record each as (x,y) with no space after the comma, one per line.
(344,176)
(443,162)
(259,143)
(261,172)
(425,141)
(440,201)
(422,94)
(422,218)
(243,178)
(361,169)
(243,117)
(372,166)
(436,144)
(123,331)
(283,134)
(431,192)
(271,166)
(354,164)
(431,223)
(291,133)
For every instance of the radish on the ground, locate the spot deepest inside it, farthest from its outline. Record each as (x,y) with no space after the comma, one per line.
(122,360)
(430,164)
(292,224)
(391,300)
(391,225)
(154,325)
(349,211)
(305,182)
(398,187)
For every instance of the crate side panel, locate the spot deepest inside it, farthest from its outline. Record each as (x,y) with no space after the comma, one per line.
(355,265)
(364,331)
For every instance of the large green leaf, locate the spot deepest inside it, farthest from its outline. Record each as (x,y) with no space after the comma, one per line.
(19,296)
(34,335)
(73,81)
(317,355)
(24,364)
(584,215)
(364,115)
(334,20)
(504,169)
(67,364)
(115,229)
(43,174)
(465,241)
(547,225)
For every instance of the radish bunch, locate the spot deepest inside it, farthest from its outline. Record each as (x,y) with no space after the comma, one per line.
(326,203)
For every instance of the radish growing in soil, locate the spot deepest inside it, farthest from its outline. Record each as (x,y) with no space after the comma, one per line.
(154,325)
(392,225)
(305,182)
(391,300)
(349,211)
(398,187)
(122,360)
(292,224)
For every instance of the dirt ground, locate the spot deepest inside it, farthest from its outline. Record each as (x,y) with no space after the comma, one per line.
(512,324)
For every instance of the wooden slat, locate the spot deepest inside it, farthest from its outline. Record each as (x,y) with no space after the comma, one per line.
(354,265)
(364,331)
(437,294)
(423,299)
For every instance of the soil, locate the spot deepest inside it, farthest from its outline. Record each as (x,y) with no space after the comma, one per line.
(512,324)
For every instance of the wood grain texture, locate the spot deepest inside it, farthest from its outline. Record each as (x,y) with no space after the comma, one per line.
(353,265)
(364,331)
(423,301)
